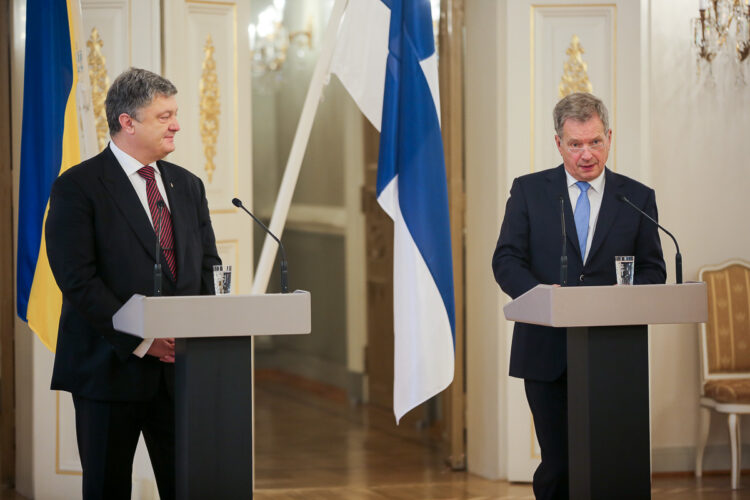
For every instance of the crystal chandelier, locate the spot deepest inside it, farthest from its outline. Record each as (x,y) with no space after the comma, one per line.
(722,25)
(270,40)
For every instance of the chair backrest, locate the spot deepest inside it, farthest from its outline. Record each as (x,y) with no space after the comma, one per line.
(725,339)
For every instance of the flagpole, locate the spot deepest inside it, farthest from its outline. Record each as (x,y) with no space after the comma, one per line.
(301,138)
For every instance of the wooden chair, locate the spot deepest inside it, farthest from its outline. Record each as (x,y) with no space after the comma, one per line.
(725,356)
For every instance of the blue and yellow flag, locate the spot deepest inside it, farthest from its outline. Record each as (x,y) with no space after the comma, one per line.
(49,146)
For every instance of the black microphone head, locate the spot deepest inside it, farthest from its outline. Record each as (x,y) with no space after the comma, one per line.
(160,204)
(621,197)
(236,202)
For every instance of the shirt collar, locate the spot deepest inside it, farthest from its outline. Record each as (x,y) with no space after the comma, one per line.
(129,164)
(596,184)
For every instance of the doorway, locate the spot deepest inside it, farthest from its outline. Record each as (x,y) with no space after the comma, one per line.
(338,240)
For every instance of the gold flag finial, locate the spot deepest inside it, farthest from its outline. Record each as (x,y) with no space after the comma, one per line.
(99,85)
(210,107)
(575,77)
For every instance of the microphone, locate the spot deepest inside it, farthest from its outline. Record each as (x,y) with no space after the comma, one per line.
(564,253)
(284,286)
(157,250)
(678,257)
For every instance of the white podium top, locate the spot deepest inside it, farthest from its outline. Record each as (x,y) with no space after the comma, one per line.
(551,305)
(215,315)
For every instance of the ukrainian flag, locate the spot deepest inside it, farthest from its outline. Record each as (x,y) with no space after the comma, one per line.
(49,146)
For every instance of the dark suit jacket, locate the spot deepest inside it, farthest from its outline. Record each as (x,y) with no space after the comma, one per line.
(528,253)
(100,246)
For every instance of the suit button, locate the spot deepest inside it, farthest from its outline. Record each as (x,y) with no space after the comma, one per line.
(580,278)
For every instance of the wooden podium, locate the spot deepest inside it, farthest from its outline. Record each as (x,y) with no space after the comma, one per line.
(609,446)
(214,378)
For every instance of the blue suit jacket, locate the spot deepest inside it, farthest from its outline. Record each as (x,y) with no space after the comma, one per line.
(528,253)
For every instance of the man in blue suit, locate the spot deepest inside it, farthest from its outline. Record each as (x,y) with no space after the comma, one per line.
(599,226)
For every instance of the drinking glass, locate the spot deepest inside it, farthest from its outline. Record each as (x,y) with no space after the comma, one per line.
(624,266)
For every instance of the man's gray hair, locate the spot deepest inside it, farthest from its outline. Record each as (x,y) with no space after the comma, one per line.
(134,89)
(579,106)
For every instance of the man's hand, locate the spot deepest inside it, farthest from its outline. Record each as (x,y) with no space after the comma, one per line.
(162,349)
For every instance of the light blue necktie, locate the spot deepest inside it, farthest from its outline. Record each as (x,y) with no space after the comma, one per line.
(581,216)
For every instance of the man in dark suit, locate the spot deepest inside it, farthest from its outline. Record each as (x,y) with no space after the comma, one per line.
(599,226)
(101,240)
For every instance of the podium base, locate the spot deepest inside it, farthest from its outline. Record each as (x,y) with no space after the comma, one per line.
(214,419)
(608,412)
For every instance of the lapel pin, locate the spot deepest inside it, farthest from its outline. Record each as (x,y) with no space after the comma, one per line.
(171,185)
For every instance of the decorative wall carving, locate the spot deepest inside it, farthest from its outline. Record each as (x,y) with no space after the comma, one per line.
(99,85)
(210,107)
(575,76)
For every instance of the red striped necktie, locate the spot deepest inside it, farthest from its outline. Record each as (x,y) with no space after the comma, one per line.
(165,221)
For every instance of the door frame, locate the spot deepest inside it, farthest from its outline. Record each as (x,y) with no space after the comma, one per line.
(7,266)
(450,73)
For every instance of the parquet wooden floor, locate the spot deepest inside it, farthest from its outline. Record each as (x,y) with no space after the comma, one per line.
(312,444)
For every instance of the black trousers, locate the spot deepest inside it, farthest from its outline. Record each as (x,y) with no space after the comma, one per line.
(549,407)
(108,433)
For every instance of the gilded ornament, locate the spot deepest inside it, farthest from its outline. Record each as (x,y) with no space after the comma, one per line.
(575,77)
(99,85)
(210,107)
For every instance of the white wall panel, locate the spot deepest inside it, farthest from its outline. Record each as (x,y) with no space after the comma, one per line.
(219,23)
(112,20)
(130,31)
(187,25)
(701,160)
(67,460)
(552,30)
(534,37)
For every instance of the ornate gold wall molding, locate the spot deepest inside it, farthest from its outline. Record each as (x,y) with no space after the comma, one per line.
(99,85)
(575,76)
(210,106)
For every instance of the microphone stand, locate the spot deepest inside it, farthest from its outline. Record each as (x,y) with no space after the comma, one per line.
(284,278)
(678,257)
(564,253)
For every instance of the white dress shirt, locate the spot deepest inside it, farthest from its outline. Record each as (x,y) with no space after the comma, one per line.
(131,166)
(595,193)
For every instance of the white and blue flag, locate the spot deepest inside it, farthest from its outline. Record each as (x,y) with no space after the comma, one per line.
(385,57)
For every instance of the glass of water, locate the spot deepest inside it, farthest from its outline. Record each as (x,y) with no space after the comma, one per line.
(222,279)
(624,269)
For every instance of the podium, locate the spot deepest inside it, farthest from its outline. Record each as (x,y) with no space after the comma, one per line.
(214,378)
(609,449)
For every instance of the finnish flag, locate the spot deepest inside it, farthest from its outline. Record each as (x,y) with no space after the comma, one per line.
(385,57)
